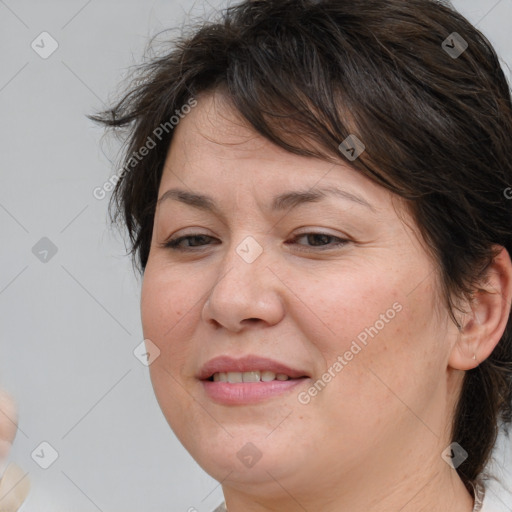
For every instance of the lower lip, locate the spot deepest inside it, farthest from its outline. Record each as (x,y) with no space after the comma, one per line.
(243,393)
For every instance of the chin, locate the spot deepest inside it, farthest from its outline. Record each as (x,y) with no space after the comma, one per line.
(244,459)
(229,471)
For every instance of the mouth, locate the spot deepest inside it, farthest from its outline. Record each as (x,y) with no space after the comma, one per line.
(248,380)
(250,376)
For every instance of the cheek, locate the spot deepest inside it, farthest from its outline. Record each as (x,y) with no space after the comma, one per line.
(382,311)
(167,304)
(358,308)
(384,339)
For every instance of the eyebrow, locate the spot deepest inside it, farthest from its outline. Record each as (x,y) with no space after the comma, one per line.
(284,201)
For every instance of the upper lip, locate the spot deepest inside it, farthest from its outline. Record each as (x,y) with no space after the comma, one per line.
(224,364)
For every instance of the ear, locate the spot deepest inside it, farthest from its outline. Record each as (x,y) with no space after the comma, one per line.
(483,326)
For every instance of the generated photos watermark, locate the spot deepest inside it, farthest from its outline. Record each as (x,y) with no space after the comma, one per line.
(304,397)
(158,133)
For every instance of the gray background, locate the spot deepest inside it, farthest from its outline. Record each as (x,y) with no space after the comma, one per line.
(69,325)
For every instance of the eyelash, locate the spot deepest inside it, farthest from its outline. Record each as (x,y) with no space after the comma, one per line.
(173,244)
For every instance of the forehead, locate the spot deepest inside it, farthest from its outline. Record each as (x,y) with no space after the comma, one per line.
(215,152)
(214,136)
(216,127)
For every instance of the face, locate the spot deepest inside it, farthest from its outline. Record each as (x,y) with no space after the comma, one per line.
(322,315)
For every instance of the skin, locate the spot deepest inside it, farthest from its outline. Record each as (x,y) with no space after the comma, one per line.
(372,439)
(8,423)
(14,482)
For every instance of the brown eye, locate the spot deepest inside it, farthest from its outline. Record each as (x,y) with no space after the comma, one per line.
(321,241)
(196,241)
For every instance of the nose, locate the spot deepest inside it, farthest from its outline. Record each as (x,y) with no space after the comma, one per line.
(247,293)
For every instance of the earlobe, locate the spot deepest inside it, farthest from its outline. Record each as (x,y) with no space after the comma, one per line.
(483,326)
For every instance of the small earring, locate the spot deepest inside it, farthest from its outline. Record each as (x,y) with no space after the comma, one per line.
(474,357)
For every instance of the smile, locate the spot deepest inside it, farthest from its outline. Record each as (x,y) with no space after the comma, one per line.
(249,380)
(252,376)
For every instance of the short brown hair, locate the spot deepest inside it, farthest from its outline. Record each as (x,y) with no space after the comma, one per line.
(435,117)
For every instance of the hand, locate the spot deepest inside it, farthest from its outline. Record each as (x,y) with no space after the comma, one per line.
(14,485)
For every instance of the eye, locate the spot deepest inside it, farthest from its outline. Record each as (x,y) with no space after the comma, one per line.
(320,241)
(175,243)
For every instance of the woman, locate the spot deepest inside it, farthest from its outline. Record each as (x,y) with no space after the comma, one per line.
(315,194)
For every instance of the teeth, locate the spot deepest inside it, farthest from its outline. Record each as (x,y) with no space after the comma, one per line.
(267,376)
(256,376)
(251,376)
(235,377)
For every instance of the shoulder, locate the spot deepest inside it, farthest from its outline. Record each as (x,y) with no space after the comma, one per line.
(479,495)
(497,476)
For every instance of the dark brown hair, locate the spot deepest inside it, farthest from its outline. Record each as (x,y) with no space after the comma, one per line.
(436,122)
